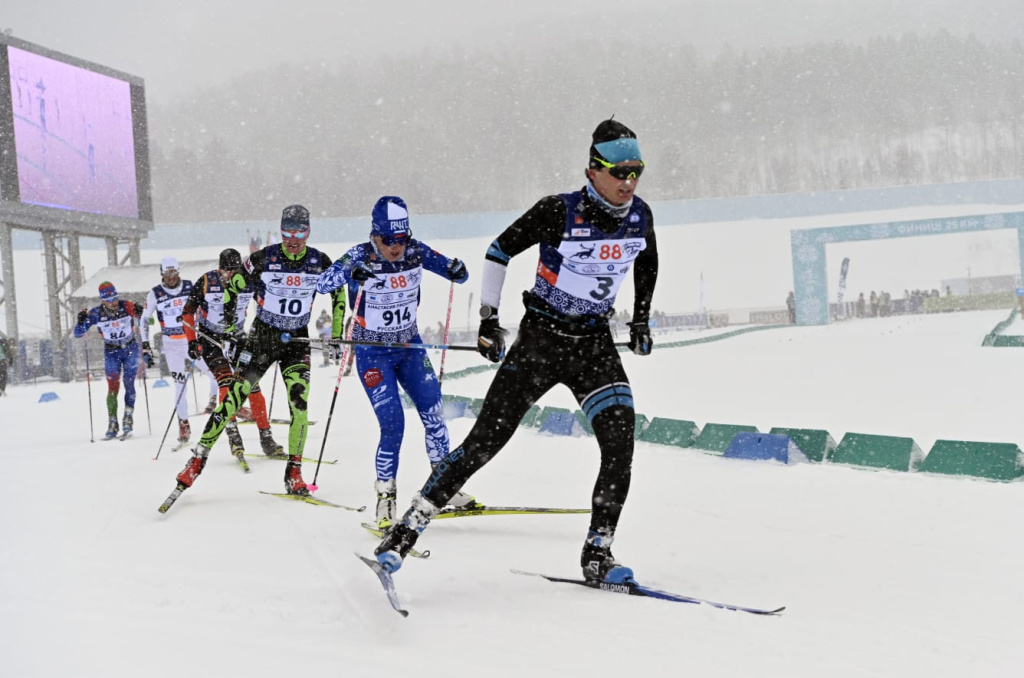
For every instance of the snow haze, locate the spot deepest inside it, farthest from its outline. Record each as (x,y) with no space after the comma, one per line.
(212,42)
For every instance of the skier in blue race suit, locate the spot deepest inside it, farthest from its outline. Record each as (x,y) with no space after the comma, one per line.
(390,268)
(116,321)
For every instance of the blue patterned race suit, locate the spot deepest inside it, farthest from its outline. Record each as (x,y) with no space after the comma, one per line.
(387,313)
(120,349)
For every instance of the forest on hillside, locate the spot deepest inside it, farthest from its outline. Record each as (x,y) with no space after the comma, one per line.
(486,130)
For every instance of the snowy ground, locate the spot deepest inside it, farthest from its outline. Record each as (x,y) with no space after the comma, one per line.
(884,574)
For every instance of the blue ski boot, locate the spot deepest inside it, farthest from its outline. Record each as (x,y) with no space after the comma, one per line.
(399,540)
(128,422)
(598,563)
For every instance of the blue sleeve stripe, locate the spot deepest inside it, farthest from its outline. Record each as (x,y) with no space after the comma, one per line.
(494,252)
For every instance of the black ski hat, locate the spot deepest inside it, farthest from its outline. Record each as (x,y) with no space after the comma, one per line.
(603,144)
(230,260)
(294,217)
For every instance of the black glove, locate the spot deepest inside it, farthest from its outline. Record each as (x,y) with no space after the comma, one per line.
(490,341)
(83,316)
(147,354)
(640,341)
(360,272)
(238,340)
(195,350)
(457,270)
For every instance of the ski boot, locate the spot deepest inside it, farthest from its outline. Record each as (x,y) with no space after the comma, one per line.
(184,431)
(128,422)
(211,406)
(461,500)
(112,429)
(293,483)
(194,467)
(234,439)
(387,494)
(402,536)
(270,446)
(598,563)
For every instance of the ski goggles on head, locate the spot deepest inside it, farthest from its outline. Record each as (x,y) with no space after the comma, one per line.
(622,172)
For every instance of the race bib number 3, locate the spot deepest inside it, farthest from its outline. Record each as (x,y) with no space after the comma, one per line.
(594,270)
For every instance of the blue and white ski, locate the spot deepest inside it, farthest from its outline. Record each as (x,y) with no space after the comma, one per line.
(635,589)
(386,581)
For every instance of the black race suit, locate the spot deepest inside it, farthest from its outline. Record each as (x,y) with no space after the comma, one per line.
(554,348)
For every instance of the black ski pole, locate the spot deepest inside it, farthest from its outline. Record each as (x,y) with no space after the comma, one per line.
(337,383)
(145,390)
(88,381)
(273,386)
(174,411)
(319,344)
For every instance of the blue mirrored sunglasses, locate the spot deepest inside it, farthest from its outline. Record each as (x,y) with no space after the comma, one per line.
(294,235)
(390,240)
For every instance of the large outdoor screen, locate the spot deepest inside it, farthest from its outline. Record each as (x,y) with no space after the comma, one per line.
(72,136)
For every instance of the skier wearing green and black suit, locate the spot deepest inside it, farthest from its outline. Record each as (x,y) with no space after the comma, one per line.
(284,278)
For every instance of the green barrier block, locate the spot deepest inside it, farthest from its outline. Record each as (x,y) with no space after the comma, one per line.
(1004,340)
(889,452)
(641,426)
(584,422)
(817,444)
(716,437)
(531,417)
(995,461)
(675,432)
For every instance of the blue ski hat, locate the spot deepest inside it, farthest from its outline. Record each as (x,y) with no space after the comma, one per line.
(390,219)
(107,291)
(613,142)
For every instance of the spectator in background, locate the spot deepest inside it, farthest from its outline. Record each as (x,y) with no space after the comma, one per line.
(874,304)
(791,307)
(860,305)
(254,242)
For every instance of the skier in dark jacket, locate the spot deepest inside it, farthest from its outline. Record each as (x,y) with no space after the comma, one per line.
(589,240)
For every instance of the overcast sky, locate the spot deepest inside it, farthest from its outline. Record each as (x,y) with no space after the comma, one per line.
(181,45)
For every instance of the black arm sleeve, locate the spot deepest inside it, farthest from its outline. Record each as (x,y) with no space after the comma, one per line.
(544,222)
(195,296)
(645,274)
